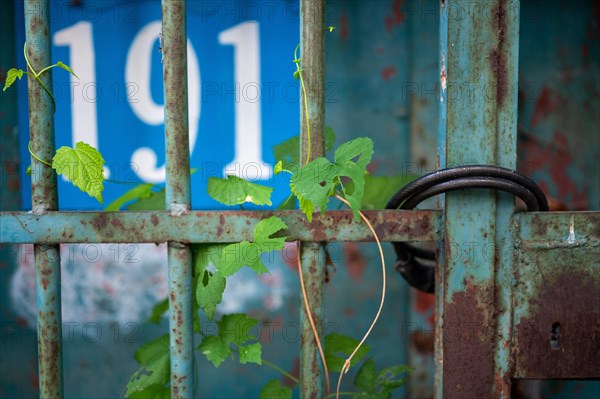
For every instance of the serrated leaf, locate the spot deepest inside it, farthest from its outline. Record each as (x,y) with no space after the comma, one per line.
(263,231)
(156,201)
(352,159)
(215,350)
(251,353)
(209,292)
(83,166)
(234,328)
(237,255)
(313,184)
(158,310)
(366,377)
(274,390)
(67,68)
(143,190)
(11,76)
(338,347)
(209,286)
(234,191)
(154,391)
(154,359)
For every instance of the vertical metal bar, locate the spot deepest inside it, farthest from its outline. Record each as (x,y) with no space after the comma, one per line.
(312,30)
(178,198)
(44,198)
(507,69)
(478,45)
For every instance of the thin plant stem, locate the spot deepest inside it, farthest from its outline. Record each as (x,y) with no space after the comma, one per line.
(282,371)
(36,157)
(348,361)
(312,322)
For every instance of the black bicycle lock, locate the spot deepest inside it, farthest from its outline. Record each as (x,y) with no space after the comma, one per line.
(422,276)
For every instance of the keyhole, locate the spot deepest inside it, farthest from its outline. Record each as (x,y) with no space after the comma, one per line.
(555,336)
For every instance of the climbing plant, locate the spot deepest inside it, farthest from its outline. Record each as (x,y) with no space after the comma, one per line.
(313,183)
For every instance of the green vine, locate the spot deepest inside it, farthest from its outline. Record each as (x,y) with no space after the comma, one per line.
(313,182)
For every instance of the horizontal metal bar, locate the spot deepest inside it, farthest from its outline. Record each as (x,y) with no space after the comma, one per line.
(211,226)
(567,227)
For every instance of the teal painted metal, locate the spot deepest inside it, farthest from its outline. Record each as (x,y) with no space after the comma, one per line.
(44,199)
(556,285)
(211,226)
(178,198)
(480,58)
(312,254)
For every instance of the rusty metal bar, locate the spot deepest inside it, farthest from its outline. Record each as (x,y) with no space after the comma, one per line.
(209,226)
(479,56)
(312,40)
(178,197)
(44,198)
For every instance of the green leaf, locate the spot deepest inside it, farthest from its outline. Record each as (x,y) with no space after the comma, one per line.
(28,171)
(11,76)
(297,74)
(278,167)
(235,191)
(158,310)
(251,353)
(215,349)
(154,391)
(290,203)
(288,152)
(393,377)
(234,328)
(337,349)
(209,292)
(209,286)
(237,255)
(352,159)
(153,356)
(154,202)
(143,190)
(330,28)
(83,166)
(60,64)
(274,390)
(313,184)
(366,378)
(380,189)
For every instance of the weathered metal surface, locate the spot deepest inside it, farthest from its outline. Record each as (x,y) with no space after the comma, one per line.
(209,226)
(44,198)
(480,125)
(312,124)
(557,296)
(178,197)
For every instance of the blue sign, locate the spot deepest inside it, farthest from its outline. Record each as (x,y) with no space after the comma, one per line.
(243,98)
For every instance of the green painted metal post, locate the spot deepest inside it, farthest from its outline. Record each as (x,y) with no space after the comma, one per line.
(312,30)
(44,198)
(478,78)
(178,198)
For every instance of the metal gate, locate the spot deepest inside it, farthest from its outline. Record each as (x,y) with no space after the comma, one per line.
(527,307)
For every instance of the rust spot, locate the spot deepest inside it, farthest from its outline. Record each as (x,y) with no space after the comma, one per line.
(571,301)
(117,223)
(100,221)
(422,341)
(496,57)
(468,343)
(154,220)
